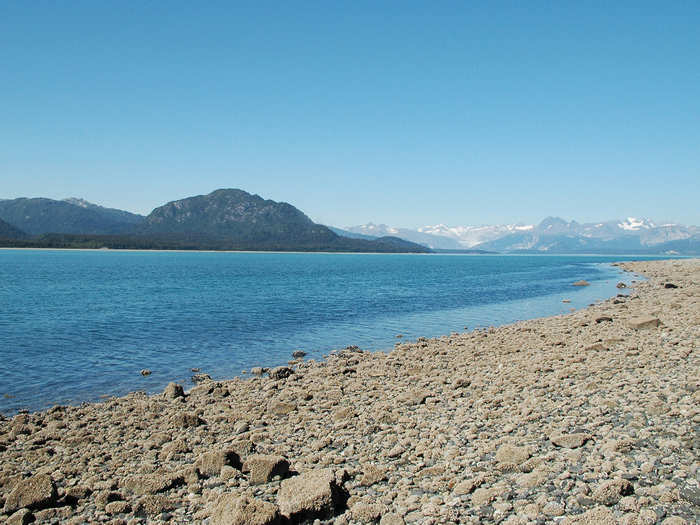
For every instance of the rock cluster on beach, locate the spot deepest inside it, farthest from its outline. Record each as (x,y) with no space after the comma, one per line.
(587,418)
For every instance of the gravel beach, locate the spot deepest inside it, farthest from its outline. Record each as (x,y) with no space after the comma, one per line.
(587,418)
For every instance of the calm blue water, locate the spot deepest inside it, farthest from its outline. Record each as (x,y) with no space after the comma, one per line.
(75,325)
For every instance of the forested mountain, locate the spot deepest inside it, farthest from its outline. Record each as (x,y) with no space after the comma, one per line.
(40,216)
(226,219)
(7,231)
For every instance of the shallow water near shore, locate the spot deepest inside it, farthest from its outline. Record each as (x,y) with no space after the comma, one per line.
(76,325)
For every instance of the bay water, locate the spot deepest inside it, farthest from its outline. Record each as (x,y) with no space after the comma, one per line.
(80,325)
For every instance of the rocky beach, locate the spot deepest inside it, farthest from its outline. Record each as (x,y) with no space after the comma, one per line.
(592,417)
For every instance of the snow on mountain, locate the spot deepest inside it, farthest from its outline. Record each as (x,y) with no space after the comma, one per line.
(377,230)
(434,241)
(634,224)
(552,234)
(468,236)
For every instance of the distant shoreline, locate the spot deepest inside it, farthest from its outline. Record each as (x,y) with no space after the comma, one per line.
(461,254)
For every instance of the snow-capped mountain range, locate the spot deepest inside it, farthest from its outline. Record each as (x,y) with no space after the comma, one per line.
(552,234)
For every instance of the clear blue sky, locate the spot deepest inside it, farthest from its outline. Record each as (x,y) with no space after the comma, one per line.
(407,113)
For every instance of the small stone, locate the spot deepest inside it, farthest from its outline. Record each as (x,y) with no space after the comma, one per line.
(596,516)
(371,475)
(298,354)
(581,283)
(461,382)
(691,493)
(281,408)
(366,512)
(391,519)
(103,498)
(603,319)
(152,483)
(396,451)
(172,449)
(117,507)
(596,346)
(483,496)
(240,427)
(146,372)
(553,508)
(187,420)
(200,378)
(233,510)
(674,520)
(152,505)
(468,486)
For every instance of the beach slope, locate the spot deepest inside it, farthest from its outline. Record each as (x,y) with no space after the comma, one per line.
(589,417)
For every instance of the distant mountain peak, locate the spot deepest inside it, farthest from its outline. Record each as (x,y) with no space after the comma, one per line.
(634,224)
(80,202)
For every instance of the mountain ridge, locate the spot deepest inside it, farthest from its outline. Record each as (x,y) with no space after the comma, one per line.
(39,215)
(554,234)
(225,219)
(231,218)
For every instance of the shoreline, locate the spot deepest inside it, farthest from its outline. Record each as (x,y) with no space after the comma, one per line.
(564,307)
(550,419)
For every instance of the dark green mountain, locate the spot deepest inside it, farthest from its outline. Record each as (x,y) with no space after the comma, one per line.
(235,219)
(7,231)
(41,216)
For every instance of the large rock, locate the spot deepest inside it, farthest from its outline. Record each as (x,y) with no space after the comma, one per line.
(310,495)
(512,454)
(37,492)
(174,391)
(281,372)
(468,486)
(21,517)
(211,463)
(262,468)
(372,474)
(570,440)
(644,321)
(609,492)
(233,510)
